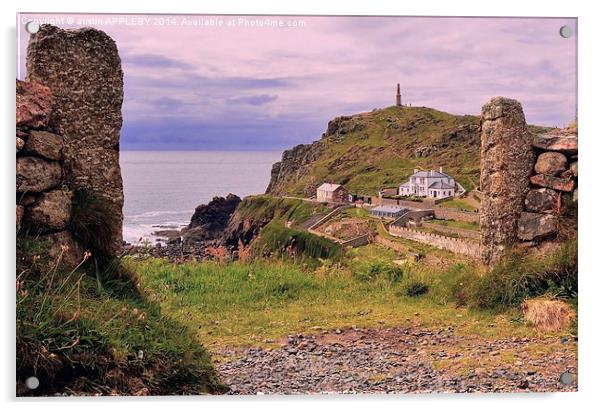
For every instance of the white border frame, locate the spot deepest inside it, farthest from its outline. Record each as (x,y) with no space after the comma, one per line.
(590,283)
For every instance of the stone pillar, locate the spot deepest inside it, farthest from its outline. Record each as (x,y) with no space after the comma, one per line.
(83,70)
(506,164)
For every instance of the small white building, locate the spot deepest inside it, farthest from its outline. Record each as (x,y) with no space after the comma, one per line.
(430,184)
(331,193)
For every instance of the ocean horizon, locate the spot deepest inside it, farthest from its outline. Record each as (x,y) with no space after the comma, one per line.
(162,188)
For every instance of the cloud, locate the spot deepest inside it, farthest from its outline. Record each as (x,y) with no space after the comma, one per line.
(155,61)
(253,99)
(225,86)
(240,133)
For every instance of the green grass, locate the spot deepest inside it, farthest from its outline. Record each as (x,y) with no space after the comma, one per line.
(372,251)
(460,204)
(356,213)
(473,226)
(256,303)
(79,338)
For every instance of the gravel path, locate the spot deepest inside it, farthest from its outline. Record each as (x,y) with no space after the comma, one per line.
(399,360)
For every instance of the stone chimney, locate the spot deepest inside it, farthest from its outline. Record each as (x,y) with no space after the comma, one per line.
(441,170)
(398,96)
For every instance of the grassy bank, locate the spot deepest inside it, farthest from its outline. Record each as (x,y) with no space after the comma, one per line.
(79,335)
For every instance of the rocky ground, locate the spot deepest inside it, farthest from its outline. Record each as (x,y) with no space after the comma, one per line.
(399,360)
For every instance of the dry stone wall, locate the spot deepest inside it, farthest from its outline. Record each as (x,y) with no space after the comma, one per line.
(68,121)
(454,245)
(43,207)
(552,181)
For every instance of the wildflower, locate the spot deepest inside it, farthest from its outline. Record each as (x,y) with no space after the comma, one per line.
(124,310)
(135,312)
(21,291)
(87,255)
(142,316)
(64,248)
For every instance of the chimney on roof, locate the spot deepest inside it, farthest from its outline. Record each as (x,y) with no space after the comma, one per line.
(415,170)
(441,170)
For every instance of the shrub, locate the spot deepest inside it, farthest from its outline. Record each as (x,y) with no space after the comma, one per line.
(375,268)
(415,288)
(520,276)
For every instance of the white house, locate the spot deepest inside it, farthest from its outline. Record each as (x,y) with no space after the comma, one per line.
(431,184)
(331,193)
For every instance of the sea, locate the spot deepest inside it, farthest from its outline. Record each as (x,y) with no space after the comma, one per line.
(162,188)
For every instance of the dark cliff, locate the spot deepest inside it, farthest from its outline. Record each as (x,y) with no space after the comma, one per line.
(209,220)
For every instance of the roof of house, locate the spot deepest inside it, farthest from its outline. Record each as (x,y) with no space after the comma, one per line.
(328,187)
(405,184)
(388,208)
(440,185)
(431,174)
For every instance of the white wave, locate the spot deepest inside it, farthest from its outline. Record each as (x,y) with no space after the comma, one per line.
(150,214)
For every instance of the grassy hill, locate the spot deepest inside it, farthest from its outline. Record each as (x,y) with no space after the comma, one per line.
(369,151)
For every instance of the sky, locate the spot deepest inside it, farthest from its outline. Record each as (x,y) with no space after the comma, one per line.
(271,82)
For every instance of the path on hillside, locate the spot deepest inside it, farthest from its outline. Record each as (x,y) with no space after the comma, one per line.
(398,360)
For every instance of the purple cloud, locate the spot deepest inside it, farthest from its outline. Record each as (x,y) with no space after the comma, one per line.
(153,61)
(284,84)
(254,99)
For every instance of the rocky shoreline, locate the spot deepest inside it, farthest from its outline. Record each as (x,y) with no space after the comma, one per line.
(207,229)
